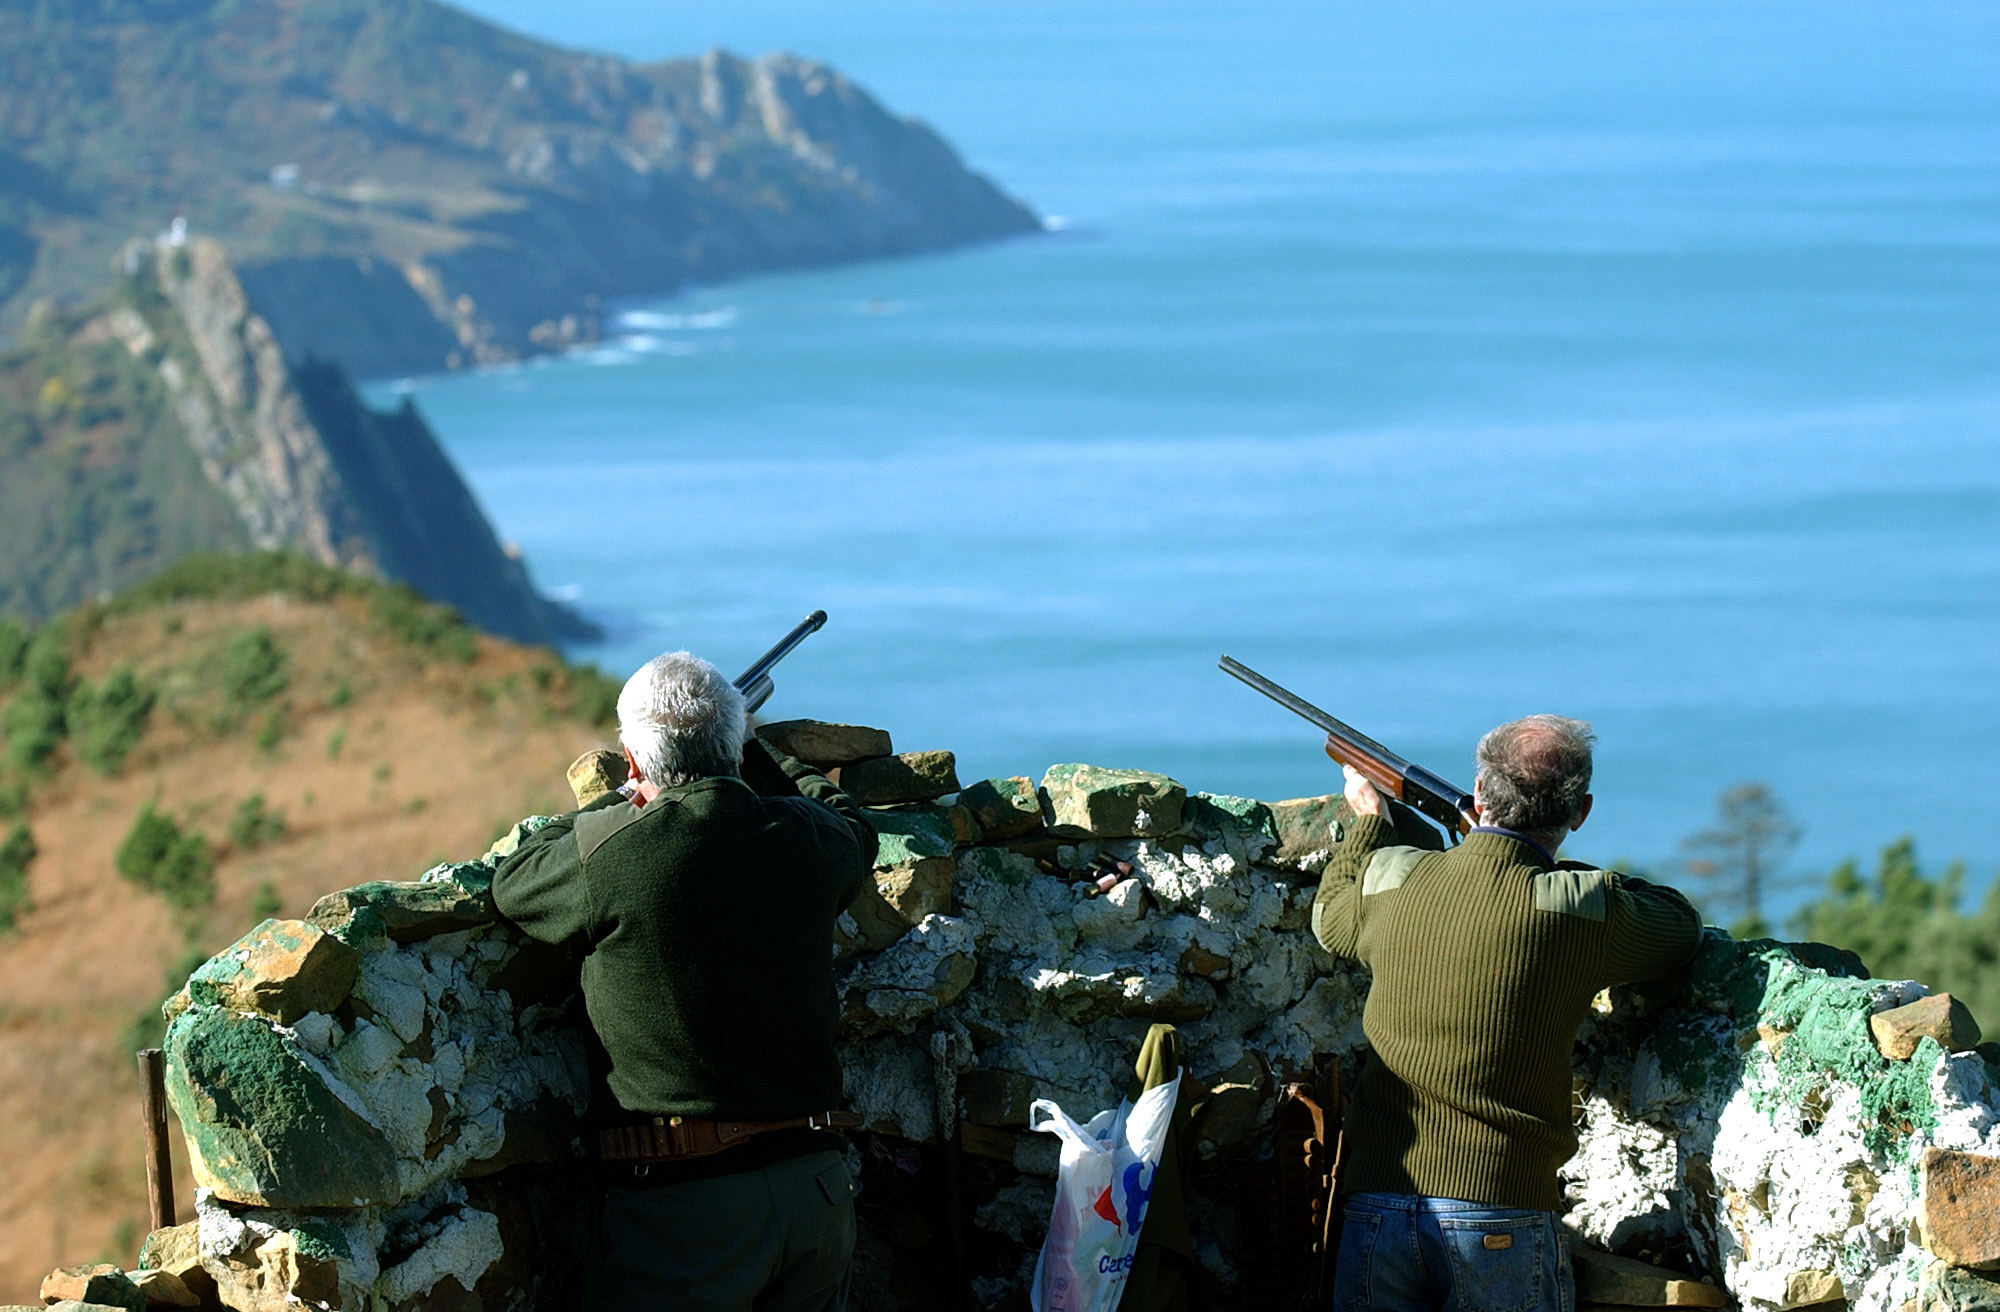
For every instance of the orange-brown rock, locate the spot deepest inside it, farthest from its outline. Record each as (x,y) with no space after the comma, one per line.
(596,773)
(1608,1278)
(1899,1030)
(1960,1207)
(103,1284)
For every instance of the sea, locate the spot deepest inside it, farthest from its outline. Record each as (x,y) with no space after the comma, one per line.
(1445,362)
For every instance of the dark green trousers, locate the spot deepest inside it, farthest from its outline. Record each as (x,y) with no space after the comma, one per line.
(775,1239)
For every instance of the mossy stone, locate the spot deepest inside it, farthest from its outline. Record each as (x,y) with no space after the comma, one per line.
(1219,813)
(911,835)
(262,1127)
(410,911)
(283,968)
(1114,803)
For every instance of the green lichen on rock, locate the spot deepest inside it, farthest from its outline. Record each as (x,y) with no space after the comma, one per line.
(262,1125)
(1220,813)
(1114,803)
(911,834)
(997,864)
(322,1240)
(1825,1021)
(283,968)
(414,910)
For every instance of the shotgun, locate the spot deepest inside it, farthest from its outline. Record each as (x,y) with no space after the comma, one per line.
(755,683)
(1412,785)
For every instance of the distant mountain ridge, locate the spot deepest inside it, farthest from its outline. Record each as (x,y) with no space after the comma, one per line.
(405,187)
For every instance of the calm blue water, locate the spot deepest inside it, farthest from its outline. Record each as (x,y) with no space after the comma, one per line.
(1639,362)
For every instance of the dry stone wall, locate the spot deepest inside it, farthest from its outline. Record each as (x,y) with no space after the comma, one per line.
(384,1102)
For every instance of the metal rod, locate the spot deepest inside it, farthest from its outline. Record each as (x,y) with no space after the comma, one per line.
(159,1158)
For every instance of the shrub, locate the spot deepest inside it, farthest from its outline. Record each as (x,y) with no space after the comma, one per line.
(157,856)
(34,722)
(105,722)
(217,576)
(593,695)
(252,669)
(252,826)
(265,905)
(438,630)
(13,650)
(15,854)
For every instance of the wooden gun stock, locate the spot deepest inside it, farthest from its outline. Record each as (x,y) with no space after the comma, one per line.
(1415,787)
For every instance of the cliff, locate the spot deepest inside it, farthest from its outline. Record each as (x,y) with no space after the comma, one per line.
(165,419)
(408,188)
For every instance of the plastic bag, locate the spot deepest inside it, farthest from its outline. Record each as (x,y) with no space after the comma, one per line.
(1102,1188)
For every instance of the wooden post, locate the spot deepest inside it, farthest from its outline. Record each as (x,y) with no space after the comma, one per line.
(944,1070)
(159,1160)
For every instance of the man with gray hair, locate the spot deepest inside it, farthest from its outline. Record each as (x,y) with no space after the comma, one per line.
(703,902)
(1485,959)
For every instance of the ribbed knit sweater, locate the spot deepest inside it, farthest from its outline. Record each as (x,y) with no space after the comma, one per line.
(1485,959)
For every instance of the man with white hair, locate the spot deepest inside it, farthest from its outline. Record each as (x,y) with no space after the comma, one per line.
(1485,959)
(703,906)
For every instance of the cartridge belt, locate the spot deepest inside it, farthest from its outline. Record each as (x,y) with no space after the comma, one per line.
(678,1138)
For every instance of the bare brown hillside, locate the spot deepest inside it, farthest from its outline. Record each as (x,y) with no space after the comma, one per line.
(384,744)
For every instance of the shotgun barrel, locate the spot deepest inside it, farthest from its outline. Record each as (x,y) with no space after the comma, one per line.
(755,683)
(1415,787)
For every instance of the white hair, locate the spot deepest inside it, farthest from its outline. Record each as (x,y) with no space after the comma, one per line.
(681,720)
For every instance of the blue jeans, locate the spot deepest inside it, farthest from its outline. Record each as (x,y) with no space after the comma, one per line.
(1402,1253)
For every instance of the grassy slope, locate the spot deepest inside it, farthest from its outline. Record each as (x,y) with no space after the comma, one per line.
(391,751)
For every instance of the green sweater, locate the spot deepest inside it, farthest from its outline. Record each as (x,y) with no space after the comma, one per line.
(706,920)
(1485,959)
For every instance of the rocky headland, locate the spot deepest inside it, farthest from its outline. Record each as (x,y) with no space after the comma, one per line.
(164,418)
(407,188)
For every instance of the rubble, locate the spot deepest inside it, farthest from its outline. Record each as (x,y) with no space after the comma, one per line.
(413,1137)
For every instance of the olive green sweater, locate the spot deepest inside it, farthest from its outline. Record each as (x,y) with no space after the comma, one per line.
(1485,959)
(706,920)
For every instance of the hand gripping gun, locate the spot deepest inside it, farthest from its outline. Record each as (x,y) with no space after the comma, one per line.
(1412,785)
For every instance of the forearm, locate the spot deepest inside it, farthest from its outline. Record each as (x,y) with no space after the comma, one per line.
(1653,931)
(1336,919)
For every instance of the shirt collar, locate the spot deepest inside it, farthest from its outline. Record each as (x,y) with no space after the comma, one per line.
(1518,837)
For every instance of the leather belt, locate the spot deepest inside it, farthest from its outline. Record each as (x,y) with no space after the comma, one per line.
(678,1138)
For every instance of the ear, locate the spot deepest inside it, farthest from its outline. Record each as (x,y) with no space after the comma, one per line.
(639,776)
(1583,811)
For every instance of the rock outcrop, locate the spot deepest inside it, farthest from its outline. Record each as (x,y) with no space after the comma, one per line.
(414,1139)
(409,188)
(288,456)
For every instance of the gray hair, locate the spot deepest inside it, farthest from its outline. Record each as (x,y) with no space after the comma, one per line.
(681,720)
(1535,772)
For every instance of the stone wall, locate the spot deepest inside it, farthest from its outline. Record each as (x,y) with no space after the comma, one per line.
(384,1102)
